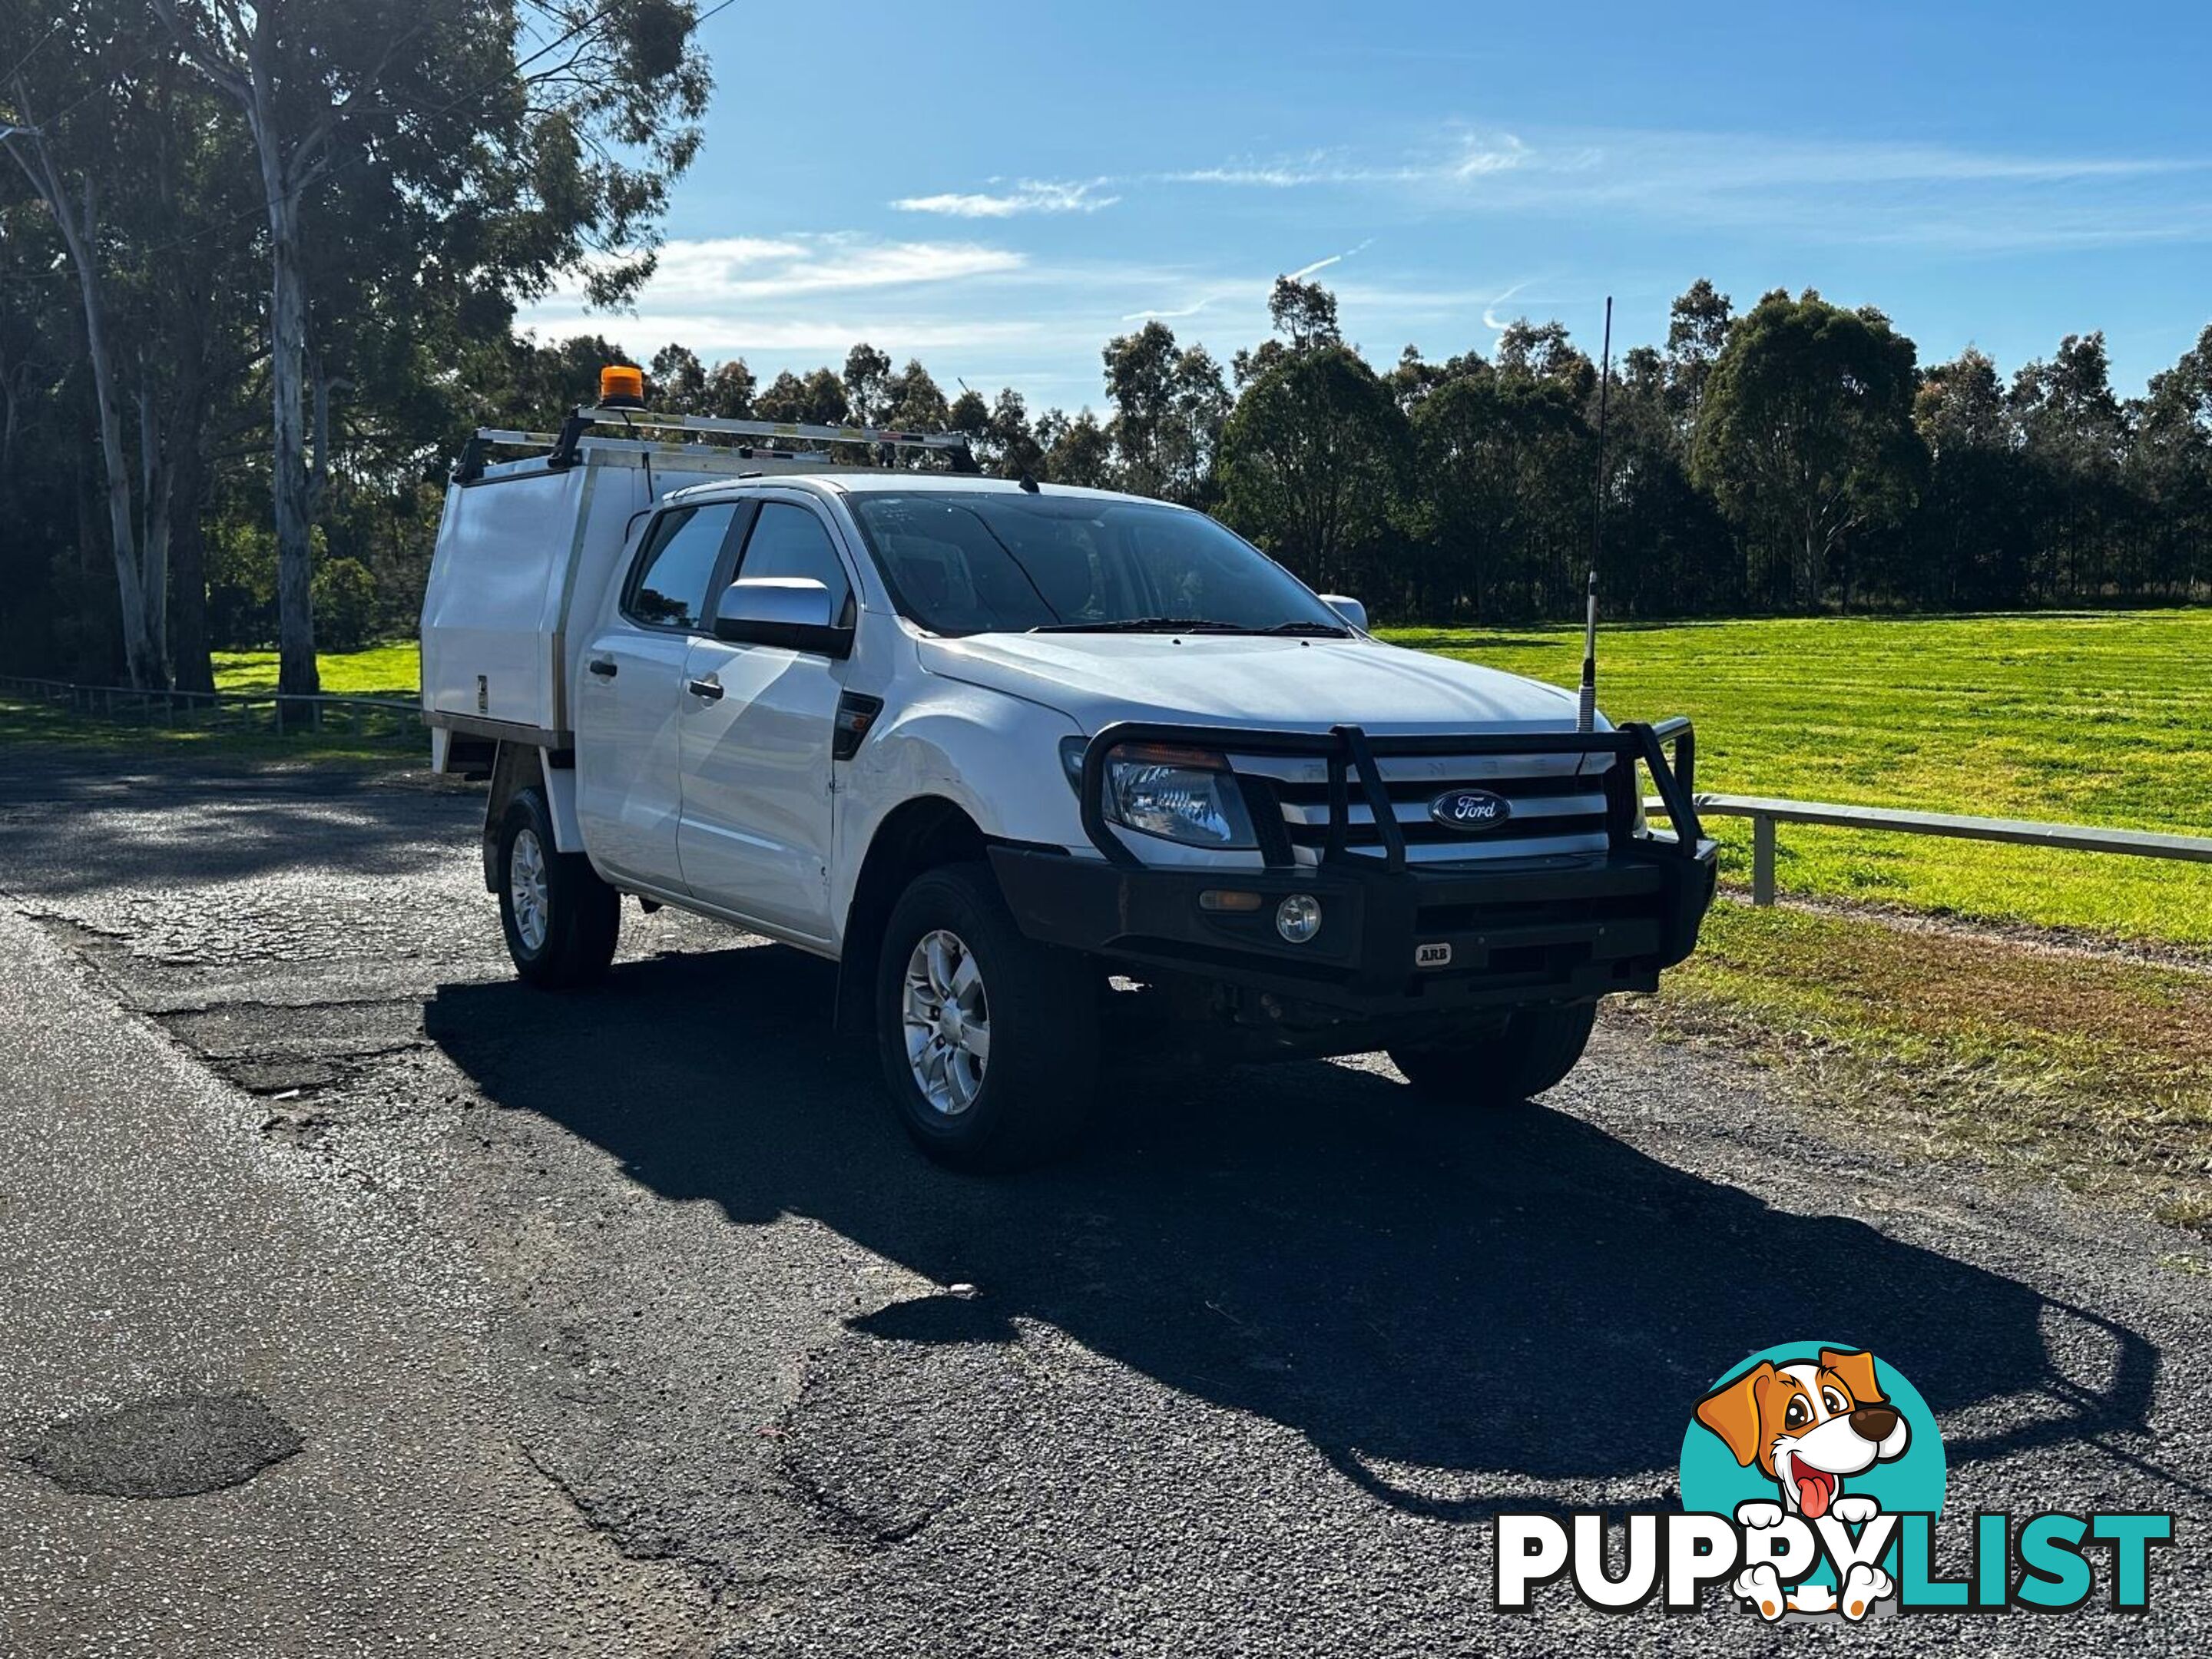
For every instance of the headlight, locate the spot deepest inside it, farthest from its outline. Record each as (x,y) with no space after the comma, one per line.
(1187,796)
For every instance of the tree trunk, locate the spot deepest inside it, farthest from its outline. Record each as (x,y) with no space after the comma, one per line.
(296,673)
(144,653)
(141,656)
(250,79)
(154,526)
(285,183)
(188,634)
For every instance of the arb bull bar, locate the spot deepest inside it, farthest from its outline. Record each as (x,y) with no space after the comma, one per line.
(1398,935)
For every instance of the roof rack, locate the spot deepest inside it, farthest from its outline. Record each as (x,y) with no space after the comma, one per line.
(561,447)
(835,435)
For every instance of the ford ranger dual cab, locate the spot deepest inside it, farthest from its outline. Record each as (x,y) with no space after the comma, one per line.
(1049,772)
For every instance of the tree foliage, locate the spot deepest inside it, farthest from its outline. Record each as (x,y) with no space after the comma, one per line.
(1804,434)
(1312,459)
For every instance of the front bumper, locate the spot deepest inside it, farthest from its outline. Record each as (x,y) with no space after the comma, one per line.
(1397,937)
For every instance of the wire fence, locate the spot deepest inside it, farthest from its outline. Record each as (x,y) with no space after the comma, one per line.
(369,718)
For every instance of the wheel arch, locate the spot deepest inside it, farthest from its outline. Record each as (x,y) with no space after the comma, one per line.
(917,834)
(520,766)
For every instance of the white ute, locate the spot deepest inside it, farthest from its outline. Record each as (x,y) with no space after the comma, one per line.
(1052,773)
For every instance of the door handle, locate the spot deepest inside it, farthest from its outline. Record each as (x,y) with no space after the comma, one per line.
(710,689)
(603,667)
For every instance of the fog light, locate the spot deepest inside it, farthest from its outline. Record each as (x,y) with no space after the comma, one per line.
(1297,918)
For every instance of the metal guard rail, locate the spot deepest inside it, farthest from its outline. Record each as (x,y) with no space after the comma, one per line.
(1765,811)
(1350,751)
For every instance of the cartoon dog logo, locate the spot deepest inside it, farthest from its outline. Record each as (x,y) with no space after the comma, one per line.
(1808,1426)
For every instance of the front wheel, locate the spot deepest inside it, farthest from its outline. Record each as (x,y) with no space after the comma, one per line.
(1536,1050)
(988,1041)
(560,919)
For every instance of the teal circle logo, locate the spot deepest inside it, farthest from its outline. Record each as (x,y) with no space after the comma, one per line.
(1813,1431)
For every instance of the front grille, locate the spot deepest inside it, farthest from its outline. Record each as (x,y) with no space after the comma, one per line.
(1557,805)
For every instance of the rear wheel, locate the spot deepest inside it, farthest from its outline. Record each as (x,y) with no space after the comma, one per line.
(988,1041)
(560,919)
(1536,1050)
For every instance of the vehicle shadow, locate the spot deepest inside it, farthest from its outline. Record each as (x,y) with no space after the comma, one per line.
(1515,1295)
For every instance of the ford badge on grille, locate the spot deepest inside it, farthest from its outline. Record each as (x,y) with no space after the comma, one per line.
(1470,812)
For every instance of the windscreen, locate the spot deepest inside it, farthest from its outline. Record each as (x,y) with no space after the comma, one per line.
(960,562)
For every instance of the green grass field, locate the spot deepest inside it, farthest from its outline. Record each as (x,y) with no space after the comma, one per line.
(381,670)
(2103,718)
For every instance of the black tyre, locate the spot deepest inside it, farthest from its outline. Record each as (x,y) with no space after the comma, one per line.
(989,1039)
(1538,1047)
(560,919)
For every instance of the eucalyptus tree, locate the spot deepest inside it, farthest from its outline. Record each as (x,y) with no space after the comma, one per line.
(2170,465)
(1169,402)
(2074,433)
(1805,434)
(1312,459)
(484,148)
(819,398)
(123,148)
(1971,540)
(1697,327)
(1076,450)
(867,382)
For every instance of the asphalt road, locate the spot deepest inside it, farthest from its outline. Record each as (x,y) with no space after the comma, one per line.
(625,1322)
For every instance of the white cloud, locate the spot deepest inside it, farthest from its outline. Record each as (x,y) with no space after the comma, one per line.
(1304,271)
(1171,312)
(751,268)
(825,338)
(801,299)
(1465,157)
(1491,319)
(810,292)
(1902,191)
(1025,196)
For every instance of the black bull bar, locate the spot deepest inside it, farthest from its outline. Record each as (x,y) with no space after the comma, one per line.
(1400,936)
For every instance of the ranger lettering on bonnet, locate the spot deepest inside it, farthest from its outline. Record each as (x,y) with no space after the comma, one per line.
(1807,1427)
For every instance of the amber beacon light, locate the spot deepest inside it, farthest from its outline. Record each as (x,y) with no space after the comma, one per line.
(622,385)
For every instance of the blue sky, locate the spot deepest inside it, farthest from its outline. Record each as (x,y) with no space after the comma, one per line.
(997,190)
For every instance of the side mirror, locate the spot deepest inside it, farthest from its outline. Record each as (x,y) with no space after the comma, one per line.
(1351,610)
(792,611)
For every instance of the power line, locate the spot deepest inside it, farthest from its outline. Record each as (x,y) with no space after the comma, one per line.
(60,24)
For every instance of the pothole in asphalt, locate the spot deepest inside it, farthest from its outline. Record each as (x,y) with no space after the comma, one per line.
(168,1447)
(302,1128)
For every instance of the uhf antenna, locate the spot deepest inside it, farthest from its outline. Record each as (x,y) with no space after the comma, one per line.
(1586,712)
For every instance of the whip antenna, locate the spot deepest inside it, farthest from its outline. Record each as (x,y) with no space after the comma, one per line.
(1586,711)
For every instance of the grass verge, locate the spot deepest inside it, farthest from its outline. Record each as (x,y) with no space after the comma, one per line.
(396,740)
(2088,1068)
(351,733)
